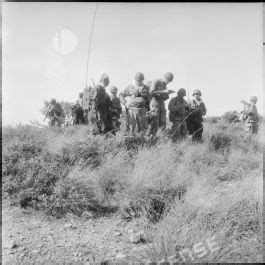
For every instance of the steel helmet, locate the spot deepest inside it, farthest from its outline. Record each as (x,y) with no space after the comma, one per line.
(254,99)
(139,76)
(103,78)
(182,92)
(53,101)
(168,77)
(196,92)
(113,89)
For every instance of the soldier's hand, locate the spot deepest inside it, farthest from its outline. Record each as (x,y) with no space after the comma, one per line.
(170,91)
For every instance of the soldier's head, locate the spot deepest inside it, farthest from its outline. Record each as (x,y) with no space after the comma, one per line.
(168,77)
(181,93)
(253,100)
(104,79)
(196,94)
(139,78)
(114,91)
(81,94)
(53,101)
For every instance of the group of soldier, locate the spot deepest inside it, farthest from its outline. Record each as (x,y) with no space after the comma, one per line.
(144,109)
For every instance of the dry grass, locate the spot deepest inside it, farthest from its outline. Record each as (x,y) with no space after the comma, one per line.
(192,192)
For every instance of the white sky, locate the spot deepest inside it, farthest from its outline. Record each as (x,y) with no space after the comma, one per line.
(219,44)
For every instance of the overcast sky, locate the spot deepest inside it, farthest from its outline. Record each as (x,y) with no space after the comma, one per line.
(219,45)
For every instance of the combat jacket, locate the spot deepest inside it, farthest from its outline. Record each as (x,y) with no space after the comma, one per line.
(251,113)
(177,109)
(139,95)
(198,108)
(158,94)
(55,110)
(100,98)
(115,108)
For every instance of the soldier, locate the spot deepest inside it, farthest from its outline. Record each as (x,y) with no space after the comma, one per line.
(78,113)
(137,104)
(99,112)
(195,118)
(115,109)
(250,115)
(55,113)
(159,94)
(177,115)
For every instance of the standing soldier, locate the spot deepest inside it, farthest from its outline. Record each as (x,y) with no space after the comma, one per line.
(137,104)
(86,101)
(99,112)
(177,115)
(195,118)
(250,115)
(55,113)
(78,113)
(159,94)
(115,109)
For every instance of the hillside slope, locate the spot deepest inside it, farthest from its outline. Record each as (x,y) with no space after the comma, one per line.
(199,203)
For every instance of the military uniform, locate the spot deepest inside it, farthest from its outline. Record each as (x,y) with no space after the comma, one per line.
(116,111)
(56,114)
(157,106)
(178,112)
(99,112)
(78,114)
(195,119)
(136,106)
(252,118)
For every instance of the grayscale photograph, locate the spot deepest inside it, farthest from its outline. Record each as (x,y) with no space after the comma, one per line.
(132,132)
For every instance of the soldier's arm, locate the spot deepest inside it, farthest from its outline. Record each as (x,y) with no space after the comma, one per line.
(123,95)
(153,88)
(203,109)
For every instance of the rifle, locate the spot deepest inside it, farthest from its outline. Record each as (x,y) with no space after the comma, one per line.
(48,112)
(46,116)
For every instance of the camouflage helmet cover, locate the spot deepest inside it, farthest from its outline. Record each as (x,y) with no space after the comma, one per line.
(254,99)
(168,77)
(182,92)
(196,92)
(113,89)
(139,76)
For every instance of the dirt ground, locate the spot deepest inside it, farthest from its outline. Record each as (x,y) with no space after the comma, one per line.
(33,237)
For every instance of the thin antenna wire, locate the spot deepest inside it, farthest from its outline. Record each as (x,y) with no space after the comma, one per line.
(188,85)
(90,40)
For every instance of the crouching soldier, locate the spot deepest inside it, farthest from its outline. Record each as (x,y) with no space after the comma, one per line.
(178,108)
(115,108)
(250,115)
(195,119)
(55,113)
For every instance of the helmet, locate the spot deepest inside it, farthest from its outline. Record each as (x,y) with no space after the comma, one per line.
(254,99)
(168,77)
(197,91)
(113,89)
(182,92)
(103,78)
(53,101)
(81,94)
(139,76)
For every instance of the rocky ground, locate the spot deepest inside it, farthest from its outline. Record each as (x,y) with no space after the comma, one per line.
(32,237)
